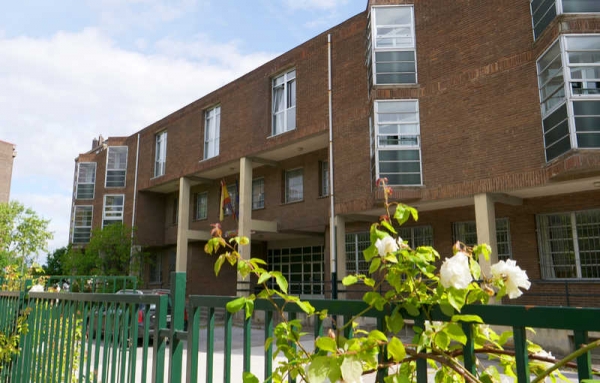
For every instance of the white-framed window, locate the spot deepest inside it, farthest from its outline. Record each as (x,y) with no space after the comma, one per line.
(86,180)
(160,154)
(155,269)
(466,232)
(116,166)
(323,178)
(82,224)
(569,84)
(294,185)
(201,211)
(212,127)
(392,56)
(284,102)
(569,244)
(544,11)
(114,205)
(303,267)
(258,193)
(398,142)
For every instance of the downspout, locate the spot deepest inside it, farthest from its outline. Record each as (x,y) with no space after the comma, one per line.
(332,230)
(135,179)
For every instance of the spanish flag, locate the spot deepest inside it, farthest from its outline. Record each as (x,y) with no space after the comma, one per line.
(225,200)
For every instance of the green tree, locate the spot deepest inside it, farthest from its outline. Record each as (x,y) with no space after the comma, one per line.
(23,234)
(110,252)
(54,264)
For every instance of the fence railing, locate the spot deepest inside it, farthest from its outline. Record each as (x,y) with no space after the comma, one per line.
(88,337)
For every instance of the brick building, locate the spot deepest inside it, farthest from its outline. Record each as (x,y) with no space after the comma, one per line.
(7,156)
(485,115)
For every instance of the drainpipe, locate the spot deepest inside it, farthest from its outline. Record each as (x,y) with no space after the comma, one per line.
(332,241)
(137,162)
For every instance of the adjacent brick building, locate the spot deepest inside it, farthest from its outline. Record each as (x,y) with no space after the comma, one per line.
(7,156)
(485,115)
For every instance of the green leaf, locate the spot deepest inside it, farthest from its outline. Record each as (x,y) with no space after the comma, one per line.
(219,263)
(375,263)
(467,318)
(387,225)
(235,305)
(447,309)
(411,309)
(351,369)
(370,252)
(248,377)
(378,335)
(326,343)
(401,214)
(483,249)
(369,282)
(249,306)
(394,322)
(504,337)
(442,340)
(349,280)
(318,369)
(456,333)
(281,282)
(391,258)
(335,372)
(306,307)
(243,268)
(475,268)
(395,350)
(457,298)
(264,277)
(244,241)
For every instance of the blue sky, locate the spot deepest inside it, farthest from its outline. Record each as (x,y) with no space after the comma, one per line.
(71,70)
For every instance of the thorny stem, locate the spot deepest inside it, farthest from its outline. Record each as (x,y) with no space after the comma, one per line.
(567,359)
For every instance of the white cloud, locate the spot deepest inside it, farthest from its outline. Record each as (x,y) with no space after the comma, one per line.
(60,92)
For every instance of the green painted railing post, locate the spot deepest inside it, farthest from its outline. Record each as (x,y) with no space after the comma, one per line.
(178,280)
(521,354)
(421,363)
(584,362)
(469,349)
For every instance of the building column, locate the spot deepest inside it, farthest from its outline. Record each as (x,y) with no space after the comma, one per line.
(340,252)
(485,217)
(183,223)
(245,216)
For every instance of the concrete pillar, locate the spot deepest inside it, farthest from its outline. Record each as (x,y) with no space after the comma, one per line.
(340,251)
(485,217)
(183,223)
(245,213)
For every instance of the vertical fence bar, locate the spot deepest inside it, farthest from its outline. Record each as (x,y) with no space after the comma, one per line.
(521,354)
(268,350)
(178,279)
(348,329)
(292,316)
(382,372)
(160,343)
(210,345)
(227,348)
(469,349)
(193,337)
(421,363)
(247,343)
(584,362)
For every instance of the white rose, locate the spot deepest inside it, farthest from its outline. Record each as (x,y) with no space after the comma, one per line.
(455,271)
(36,289)
(386,245)
(514,277)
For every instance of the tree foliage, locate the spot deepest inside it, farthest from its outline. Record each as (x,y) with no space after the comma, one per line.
(54,264)
(110,252)
(23,234)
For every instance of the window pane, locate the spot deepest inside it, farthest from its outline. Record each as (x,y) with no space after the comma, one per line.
(581,6)
(86,178)
(284,103)
(212,126)
(543,12)
(116,166)
(558,148)
(294,187)
(258,193)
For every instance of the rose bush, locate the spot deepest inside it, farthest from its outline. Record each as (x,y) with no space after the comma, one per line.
(400,280)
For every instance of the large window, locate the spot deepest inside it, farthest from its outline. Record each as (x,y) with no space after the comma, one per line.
(569,244)
(294,185)
(116,166)
(284,102)
(232,190)
(155,269)
(356,243)
(544,11)
(258,193)
(569,83)
(212,127)
(466,232)
(113,209)
(323,178)
(398,142)
(303,267)
(160,154)
(86,180)
(392,45)
(82,224)
(201,206)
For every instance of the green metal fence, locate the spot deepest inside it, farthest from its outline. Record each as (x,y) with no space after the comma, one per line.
(89,337)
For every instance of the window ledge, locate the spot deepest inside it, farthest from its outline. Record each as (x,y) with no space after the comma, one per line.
(323,196)
(396,86)
(156,177)
(209,158)
(291,202)
(280,134)
(258,208)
